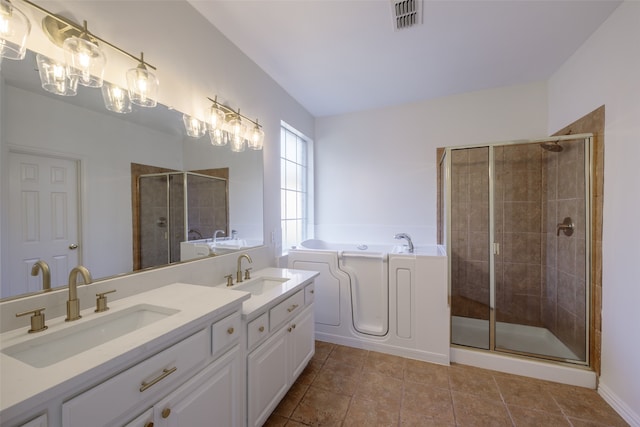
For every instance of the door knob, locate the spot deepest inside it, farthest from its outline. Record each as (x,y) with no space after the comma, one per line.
(73,246)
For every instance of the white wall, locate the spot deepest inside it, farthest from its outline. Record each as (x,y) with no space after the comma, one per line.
(376,171)
(606,70)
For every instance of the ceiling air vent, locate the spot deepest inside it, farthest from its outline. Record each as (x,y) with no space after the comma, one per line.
(406,13)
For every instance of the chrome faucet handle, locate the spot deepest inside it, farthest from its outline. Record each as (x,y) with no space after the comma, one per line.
(247,273)
(101,301)
(37,320)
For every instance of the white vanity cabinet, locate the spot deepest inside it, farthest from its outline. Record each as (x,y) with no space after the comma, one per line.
(184,385)
(286,331)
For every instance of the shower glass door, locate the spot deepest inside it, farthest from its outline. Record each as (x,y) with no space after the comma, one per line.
(519,247)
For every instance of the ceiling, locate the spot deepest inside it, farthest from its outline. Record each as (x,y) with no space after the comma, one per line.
(339,56)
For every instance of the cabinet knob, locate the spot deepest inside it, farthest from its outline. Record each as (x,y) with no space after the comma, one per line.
(149,424)
(166,412)
(230,330)
(289,329)
(293,326)
(312,291)
(261,329)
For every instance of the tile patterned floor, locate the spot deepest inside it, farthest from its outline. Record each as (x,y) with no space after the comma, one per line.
(344,386)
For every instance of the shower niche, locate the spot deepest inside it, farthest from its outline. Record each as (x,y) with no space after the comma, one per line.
(173,207)
(515,220)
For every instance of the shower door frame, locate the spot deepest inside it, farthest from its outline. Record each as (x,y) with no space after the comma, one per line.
(493,247)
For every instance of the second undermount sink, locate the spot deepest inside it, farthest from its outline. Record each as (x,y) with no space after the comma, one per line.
(51,348)
(260,285)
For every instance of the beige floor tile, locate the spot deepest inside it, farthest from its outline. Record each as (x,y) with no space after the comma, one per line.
(525,417)
(473,381)
(421,402)
(585,404)
(350,355)
(321,408)
(323,349)
(528,393)
(310,372)
(292,423)
(474,411)
(275,421)
(289,402)
(379,388)
(575,422)
(371,413)
(426,373)
(339,377)
(385,364)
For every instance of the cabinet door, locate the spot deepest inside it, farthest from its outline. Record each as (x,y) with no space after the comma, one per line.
(268,375)
(301,342)
(211,398)
(41,421)
(144,420)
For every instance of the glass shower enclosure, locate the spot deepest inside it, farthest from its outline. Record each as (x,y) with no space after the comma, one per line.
(515,218)
(175,207)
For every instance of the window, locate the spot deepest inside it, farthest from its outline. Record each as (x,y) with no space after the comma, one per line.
(295,187)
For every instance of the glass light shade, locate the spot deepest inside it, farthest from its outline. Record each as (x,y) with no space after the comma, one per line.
(14,29)
(116,99)
(194,127)
(216,118)
(237,132)
(218,136)
(143,86)
(54,77)
(255,138)
(85,60)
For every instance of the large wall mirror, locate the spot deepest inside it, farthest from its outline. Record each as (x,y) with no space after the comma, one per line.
(80,144)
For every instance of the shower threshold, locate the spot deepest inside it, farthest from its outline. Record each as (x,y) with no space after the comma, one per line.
(510,337)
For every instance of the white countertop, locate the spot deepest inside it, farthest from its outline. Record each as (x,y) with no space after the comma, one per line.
(296,280)
(23,385)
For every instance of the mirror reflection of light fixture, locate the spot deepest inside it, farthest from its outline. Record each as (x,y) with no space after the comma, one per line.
(255,139)
(85,59)
(195,128)
(54,77)
(115,98)
(14,29)
(216,124)
(237,131)
(143,85)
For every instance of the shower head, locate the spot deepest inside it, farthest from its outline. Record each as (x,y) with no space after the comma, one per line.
(551,146)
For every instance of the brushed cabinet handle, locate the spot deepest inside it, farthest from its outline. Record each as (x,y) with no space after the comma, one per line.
(165,373)
(293,307)
(230,330)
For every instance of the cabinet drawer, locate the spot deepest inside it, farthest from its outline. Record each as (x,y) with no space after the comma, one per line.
(309,293)
(128,391)
(287,308)
(225,331)
(257,329)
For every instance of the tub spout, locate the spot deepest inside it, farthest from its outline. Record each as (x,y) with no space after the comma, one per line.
(408,238)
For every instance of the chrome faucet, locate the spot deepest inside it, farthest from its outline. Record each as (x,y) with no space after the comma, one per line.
(41,265)
(405,236)
(73,304)
(215,235)
(239,272)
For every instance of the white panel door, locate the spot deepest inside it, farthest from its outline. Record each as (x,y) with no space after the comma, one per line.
(43,220)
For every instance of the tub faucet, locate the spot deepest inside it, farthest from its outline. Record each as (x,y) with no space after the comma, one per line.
(239,272)
(405,236)
(73,304)
(215,235)
(41,265)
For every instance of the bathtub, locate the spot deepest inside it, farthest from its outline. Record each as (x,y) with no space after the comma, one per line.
(379,297)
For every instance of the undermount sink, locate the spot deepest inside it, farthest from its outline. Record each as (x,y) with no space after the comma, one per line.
(51,348)
(260,285)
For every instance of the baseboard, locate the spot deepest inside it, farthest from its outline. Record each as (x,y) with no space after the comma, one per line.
(619,405)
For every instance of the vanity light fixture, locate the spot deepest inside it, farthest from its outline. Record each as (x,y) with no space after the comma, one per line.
(143,85)
(216,124)
(237,131)
(256,137)
(195,128)
(85,59)
(116,99)
(14,29)
(54,77)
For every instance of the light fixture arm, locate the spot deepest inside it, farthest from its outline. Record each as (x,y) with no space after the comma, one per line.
(82,30)
(229,110)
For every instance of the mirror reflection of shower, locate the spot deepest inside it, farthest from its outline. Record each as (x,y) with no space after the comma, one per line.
(178,206)
(551,146)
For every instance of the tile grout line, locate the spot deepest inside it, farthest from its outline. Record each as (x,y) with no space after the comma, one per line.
(504,402)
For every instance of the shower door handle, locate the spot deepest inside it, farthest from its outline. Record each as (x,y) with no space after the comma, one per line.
(566,227)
